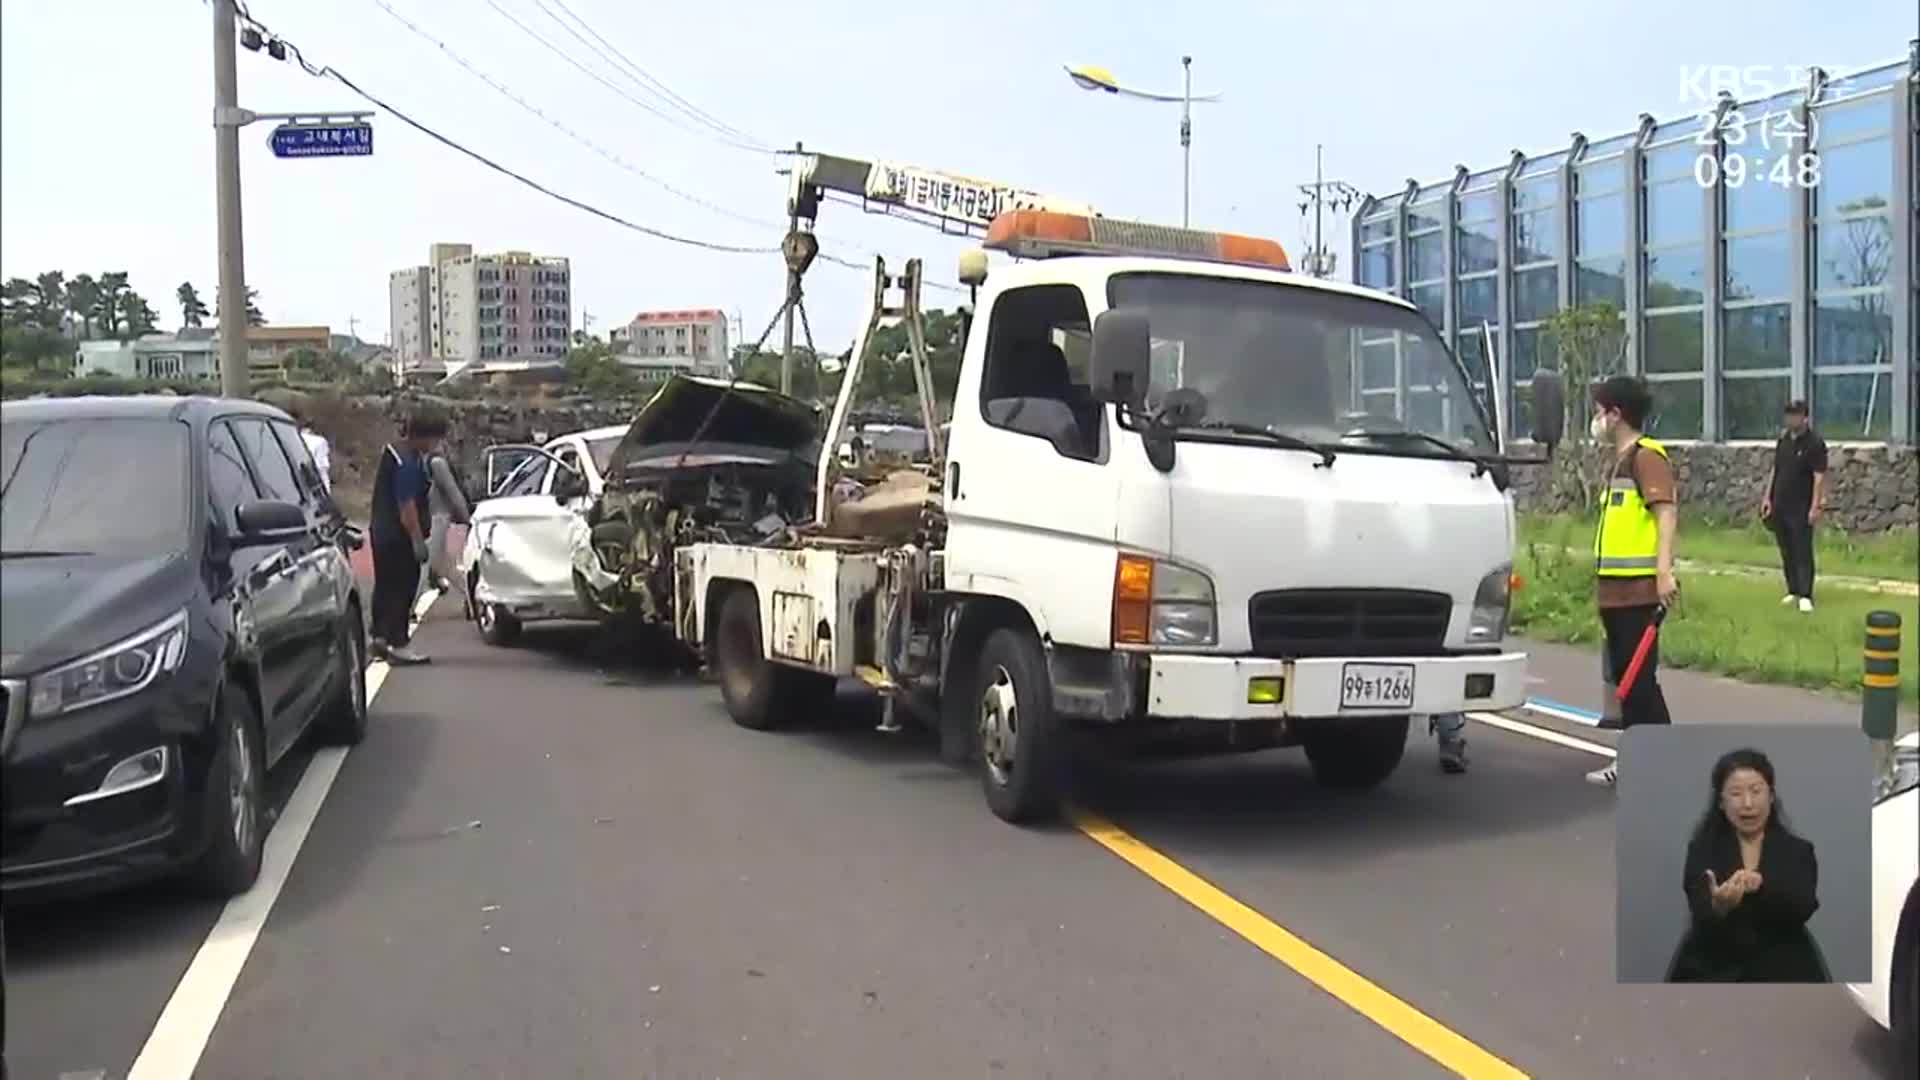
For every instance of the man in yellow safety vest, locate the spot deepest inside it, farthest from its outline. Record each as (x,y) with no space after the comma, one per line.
(1632,546)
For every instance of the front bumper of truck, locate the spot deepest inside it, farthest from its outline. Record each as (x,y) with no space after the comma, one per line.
(1196,687)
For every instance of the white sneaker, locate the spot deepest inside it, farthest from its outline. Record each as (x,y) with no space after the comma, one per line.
(1788,599)
(1806,603)
(1606,776)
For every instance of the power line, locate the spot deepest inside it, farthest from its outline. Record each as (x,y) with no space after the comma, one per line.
(557,125)
(661,88)
(602,80)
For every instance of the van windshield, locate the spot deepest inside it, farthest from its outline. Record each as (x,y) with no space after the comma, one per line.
(1331,368)
(115,488)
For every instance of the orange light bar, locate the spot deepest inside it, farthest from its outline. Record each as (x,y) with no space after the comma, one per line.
(1043,234)
(1132,599)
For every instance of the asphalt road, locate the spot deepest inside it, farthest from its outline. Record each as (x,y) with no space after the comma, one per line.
(537,867)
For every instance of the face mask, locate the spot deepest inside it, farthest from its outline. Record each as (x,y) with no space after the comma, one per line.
(1599,427)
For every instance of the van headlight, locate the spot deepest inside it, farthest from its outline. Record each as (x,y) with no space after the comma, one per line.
(1492,603)
(1161,603)
(126,667)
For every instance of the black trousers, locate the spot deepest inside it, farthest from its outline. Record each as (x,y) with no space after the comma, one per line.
(1795,534)
(396,581)
(1645,703)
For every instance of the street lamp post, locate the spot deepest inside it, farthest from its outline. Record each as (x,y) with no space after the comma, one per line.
(1100,79)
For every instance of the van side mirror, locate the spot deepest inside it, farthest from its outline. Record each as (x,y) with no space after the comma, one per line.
(1549,407)
(1120,365)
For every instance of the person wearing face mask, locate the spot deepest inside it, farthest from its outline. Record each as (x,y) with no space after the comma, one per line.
(1751,885)
(1632,547)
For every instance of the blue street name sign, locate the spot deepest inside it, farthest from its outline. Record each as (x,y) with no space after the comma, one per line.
(322,140)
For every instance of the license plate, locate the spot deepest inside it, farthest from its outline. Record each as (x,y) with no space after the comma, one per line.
(1376,686)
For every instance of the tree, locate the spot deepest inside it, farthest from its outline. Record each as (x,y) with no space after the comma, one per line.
(594,370)
(193,312)
(106,303)
(35,347)
(137,317)
(1589,343)
(254,317)
(83,296)
(50,299)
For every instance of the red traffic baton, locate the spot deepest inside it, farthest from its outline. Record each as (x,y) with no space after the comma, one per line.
(1640,652)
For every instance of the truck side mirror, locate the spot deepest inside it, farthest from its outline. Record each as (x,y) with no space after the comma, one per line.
(1549,407)
(1122,354)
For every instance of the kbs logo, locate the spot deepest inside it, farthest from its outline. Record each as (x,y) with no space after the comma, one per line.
(1765,140)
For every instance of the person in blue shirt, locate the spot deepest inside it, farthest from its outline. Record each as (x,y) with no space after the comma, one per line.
(398,531)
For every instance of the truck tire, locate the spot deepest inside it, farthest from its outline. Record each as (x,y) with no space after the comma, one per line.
(760,694)
(1356,754)
(1020,744)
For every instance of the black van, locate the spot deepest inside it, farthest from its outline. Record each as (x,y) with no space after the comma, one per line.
(177,609)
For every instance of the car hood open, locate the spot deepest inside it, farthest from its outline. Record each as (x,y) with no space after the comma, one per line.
(752,424)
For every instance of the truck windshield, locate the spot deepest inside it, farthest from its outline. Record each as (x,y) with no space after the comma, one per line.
(117,488)
(1311,363)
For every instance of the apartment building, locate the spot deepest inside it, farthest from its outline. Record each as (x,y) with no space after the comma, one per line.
(506,311)
(269,347)
(698,335)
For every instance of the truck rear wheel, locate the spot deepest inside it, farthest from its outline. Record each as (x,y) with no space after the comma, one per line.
(1358,753)
(1019,741)
(759,693)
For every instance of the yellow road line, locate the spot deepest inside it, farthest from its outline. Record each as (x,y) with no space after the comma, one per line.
(1418,1030)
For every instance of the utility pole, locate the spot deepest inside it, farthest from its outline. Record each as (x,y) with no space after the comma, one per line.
(1322,191)
(227,120)
(1186,138)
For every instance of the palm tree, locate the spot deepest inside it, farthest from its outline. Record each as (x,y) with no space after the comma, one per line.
(192,311)
(83,297)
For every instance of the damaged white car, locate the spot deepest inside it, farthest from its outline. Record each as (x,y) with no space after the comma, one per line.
(516,566)
(703,460)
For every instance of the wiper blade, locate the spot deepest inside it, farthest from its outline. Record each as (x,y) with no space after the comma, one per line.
(1480,465)
(1276,438)
(43,554)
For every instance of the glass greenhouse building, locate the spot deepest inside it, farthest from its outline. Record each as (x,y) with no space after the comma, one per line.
(1758,252)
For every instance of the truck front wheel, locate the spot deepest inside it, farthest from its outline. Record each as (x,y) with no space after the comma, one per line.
(1019,739)
(1358,753)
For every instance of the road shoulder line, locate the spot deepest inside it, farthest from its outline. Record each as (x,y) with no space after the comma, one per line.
(173,1049)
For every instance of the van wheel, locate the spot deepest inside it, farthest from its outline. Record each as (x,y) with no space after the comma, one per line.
(344,723)
(1020,742)
(236,819)
(1356,754)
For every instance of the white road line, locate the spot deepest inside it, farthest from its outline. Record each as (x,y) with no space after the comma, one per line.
(180,1036)
(1534,731)
(1563,714)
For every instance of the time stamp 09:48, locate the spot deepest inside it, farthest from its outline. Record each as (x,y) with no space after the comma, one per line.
(1757,152)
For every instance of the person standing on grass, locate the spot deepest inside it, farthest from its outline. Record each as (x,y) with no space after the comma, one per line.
(449,508)
(398,531)
(1794,498)
(1632,547)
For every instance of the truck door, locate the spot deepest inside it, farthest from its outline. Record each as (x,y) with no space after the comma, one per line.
(1030,498)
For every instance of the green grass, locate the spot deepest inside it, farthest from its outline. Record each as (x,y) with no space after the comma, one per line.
(1710,539)
(1726,625)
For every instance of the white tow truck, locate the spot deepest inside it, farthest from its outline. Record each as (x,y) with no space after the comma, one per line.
(1168,504)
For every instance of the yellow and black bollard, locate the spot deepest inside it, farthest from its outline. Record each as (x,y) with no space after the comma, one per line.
(1880,686)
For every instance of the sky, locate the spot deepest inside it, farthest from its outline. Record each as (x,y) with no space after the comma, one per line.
(106,143)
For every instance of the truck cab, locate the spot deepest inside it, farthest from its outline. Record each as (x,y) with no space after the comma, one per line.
(1168,507)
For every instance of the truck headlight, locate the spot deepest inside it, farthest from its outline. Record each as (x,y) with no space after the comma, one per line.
(1160,603)
(126,667)
(1492,602)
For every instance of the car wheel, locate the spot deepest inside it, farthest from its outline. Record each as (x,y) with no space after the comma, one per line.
(1905,1007)
(235,800)
(345,721)
(1019,741)
(497,624)
(1356,754)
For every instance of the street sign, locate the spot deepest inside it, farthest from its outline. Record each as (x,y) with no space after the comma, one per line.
(353,139)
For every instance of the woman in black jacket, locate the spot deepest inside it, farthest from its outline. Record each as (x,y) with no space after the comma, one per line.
(1751,885)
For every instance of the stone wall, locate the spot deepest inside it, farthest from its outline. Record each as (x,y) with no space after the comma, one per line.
(1870,488)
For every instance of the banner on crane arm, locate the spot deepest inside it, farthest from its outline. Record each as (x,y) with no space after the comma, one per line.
(957,198)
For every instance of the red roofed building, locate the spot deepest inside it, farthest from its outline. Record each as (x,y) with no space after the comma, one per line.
(698,334)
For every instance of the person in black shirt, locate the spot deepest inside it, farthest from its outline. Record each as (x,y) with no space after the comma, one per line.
(1794,499)
(398,530)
